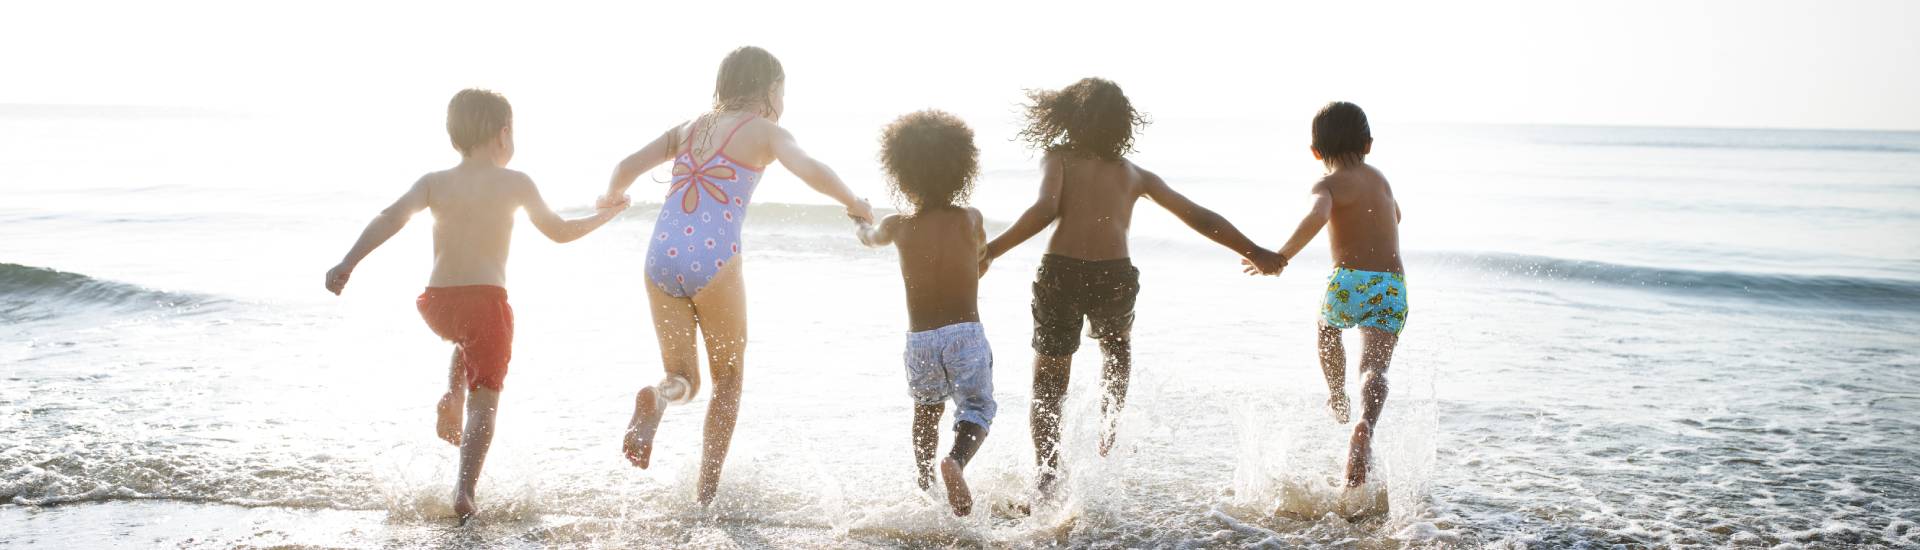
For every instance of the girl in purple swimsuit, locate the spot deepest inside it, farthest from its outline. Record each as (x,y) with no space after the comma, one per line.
(694,252)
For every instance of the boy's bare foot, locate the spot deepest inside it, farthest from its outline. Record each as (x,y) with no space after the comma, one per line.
(1045,484)
(926,480)
(957,493)
(646,420)
(707,490)
(1355,502)
(1337,404)
(462,507)
(452,412)
(1359,454)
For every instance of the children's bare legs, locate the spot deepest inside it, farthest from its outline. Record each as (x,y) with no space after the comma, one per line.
(447,425)
(1118,354)
(482,405)
(1333,364)
(926,439)
(1373,395)
(967,437)
(674,323)
(1050,375)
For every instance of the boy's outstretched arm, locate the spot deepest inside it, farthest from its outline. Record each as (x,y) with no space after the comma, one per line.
(383,227)
(1212,225)
(877,236)
(1037,217)
(1314,220)
(659,152)
(550,223)
(817,174)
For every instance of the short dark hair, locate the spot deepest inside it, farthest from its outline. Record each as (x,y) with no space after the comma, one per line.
(747,77)
(1340,133)
(475,117)
(931,159)
(1091,117)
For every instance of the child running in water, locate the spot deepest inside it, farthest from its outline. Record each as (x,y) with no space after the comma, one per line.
(694,255)
(932,161)
(466,298)
(1368,287)
(1090,188)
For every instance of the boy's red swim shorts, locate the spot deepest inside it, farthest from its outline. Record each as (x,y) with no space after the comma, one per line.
(478,320)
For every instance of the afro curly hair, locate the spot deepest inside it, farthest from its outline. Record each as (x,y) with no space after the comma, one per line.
(931,158)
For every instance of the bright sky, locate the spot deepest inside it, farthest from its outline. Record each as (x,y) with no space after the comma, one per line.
(1841,64)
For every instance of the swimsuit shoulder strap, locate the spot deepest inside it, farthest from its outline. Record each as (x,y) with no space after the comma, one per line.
(736,129)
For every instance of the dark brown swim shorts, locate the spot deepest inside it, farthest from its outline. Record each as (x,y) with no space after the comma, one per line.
(1066,290)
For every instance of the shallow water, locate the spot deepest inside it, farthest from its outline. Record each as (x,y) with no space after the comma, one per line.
(1631,337)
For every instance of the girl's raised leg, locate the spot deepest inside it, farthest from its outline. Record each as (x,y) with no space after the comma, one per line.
(674,323)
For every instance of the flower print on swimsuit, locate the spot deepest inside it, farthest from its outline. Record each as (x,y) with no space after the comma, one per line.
(691,183)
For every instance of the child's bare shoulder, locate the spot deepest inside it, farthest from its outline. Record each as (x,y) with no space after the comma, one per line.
(1352,182)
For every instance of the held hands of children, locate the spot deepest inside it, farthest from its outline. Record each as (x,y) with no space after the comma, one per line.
(1264,262)
(860,212)
(608,205)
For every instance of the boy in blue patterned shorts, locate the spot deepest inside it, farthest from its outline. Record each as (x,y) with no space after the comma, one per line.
(1368,287)
(931,159)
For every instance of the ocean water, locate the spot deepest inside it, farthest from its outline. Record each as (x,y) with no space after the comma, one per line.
(1620,337)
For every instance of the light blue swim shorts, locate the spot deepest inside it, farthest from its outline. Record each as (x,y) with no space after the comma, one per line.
(953,361)
(1365,298)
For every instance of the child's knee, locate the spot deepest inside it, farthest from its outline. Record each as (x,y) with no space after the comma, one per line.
(678,389)
(727,377)
(1375,385)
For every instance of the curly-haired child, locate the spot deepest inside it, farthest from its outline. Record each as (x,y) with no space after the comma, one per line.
(1089,187)
(931,160)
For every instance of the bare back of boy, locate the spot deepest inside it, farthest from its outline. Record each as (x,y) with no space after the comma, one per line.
(473,210)
(1364,226)
(939,251)
(1096,205)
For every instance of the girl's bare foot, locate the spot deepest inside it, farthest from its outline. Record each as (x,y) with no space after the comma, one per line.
(463,507)
(1337,404)
(957,493)
(646,420)
(452,411)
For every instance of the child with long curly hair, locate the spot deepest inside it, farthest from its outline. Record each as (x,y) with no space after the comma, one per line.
(1089,187)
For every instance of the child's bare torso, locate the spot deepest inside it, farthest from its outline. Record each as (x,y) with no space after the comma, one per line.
(1364,228)
(1096,207)
(473,210)
(939,259)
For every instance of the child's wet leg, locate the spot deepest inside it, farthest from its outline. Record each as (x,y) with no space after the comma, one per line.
(967,437)
(1333,364)
(722,314)
(1117,352)
(1050,376)
(454,403)
(482,406)
(675,325)
(926,439)
(1373,394)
